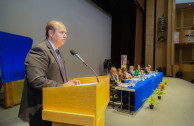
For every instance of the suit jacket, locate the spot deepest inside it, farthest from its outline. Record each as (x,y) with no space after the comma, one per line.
(131,72)
(42,70)
(113,80)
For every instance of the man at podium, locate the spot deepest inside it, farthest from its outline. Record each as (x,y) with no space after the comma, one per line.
(44,67)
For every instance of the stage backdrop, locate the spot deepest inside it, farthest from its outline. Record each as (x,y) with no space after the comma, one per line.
(13,51)
(88,29)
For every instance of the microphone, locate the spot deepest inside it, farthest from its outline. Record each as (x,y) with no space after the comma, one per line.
(74,53)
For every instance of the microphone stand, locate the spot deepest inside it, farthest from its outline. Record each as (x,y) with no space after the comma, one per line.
(74,53)
(93,71)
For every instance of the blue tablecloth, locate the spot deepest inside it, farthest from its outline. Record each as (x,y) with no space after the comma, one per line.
(143,89)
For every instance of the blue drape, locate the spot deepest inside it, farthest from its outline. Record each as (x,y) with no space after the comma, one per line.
(13,51)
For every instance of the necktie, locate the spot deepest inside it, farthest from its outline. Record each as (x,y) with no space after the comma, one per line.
(114,77)
(61,65)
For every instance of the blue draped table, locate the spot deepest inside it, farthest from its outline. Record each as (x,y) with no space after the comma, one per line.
(142,89)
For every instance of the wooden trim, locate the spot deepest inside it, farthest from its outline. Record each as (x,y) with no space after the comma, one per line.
(69,118)
(12,94)
(173,31)
(8,94)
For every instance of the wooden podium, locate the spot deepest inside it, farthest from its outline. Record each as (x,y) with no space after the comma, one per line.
(77,105)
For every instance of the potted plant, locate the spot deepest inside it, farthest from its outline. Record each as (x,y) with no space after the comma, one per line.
(159,92)
(165,81)
(161,86)
(153,101)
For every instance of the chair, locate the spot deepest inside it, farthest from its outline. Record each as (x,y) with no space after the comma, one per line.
(114,97)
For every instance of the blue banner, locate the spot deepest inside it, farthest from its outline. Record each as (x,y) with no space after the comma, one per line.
(13,51)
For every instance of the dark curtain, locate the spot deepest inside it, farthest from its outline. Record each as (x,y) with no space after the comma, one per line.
(123,32)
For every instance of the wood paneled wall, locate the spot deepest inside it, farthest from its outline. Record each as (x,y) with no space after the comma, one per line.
(138,36)
(149,38)
(183,39)
(170,34)
(160,46)
(187,69)
(164,50)
(184,18)
(184,53)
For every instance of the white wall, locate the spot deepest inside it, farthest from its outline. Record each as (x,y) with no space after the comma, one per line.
(89,29)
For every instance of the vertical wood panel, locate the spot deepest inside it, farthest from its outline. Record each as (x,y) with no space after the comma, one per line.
(160,46)
(164,51)
(173,31)
(138,36)
(188,17)
(170,34)
(169,38)
(150,5)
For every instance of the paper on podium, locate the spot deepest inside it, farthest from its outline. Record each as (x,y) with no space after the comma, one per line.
(87,84)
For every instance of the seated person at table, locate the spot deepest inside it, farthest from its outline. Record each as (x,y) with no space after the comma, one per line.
(139,69)
(113,81)
(126,76)
(113,77)
(120,76)
(149,68)
(146,70)
(131,71)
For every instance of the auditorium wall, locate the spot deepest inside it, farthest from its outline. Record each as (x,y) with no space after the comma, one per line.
(184,18)
(89,28)
(149,44)
(160,53)
(161,46)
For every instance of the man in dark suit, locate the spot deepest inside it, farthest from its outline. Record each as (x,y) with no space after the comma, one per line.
(131,71)
(44,66)
(113,77)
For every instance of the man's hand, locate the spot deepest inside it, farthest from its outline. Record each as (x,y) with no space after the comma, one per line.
(71,83)
(77,82)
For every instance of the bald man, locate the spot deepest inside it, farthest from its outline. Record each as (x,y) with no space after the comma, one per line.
(44,67)
(113,77)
